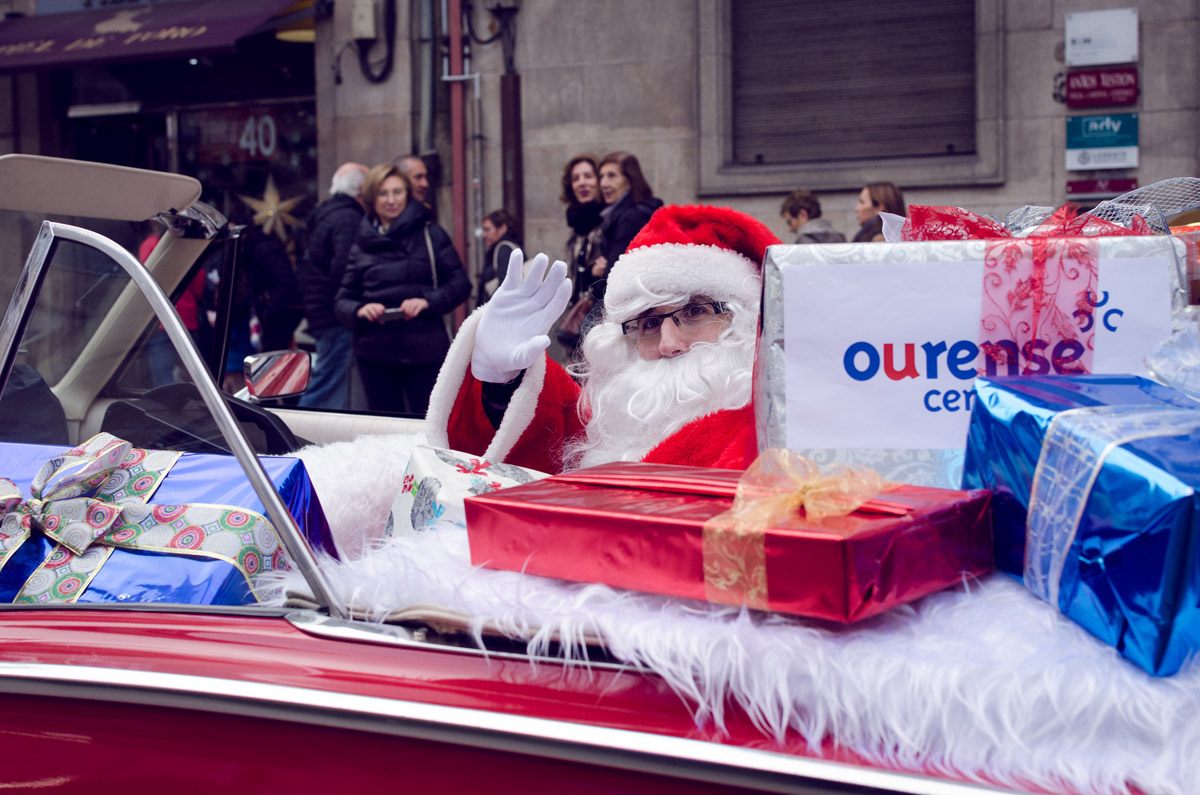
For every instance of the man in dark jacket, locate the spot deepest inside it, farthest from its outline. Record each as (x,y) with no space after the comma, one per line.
(413,167)
(332,229)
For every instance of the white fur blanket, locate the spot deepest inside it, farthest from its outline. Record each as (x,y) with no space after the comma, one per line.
(983,682)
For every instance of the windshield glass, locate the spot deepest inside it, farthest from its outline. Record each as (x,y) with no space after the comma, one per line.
(99,388)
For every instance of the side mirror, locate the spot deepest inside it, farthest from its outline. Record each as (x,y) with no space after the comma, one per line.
(277,374)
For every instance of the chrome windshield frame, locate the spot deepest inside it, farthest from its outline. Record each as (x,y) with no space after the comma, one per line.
(16,318)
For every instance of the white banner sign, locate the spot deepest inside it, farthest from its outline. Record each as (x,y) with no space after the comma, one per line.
(883,354)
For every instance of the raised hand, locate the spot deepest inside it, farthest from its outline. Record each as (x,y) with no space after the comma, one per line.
(514,328)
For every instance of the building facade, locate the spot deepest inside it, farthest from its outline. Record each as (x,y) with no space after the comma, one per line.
(734,102)
(678,88)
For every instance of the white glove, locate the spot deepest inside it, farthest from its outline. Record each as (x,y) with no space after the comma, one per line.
(514,327)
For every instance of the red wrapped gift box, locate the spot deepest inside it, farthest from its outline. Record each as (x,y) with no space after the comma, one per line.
(647,527)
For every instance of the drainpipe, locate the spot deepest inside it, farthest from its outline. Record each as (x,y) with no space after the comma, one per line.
(511,161)
(458,138)
(428,70)
(475,164)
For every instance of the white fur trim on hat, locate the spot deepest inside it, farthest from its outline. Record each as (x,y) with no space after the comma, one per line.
(684,269)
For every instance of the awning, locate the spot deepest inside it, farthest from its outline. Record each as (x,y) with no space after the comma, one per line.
(144,31)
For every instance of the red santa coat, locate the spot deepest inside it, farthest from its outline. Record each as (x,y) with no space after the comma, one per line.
(543,415)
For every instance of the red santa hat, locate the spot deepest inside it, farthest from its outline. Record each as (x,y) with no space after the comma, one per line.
(694,250)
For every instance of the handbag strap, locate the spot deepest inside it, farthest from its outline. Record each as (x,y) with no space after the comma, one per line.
(496,260)
(433,270)
(432,259)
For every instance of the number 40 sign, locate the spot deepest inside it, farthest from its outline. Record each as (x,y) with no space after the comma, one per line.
(231,134)
(258,136)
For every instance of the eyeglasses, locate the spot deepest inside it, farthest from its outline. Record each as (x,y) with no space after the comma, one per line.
(687,316)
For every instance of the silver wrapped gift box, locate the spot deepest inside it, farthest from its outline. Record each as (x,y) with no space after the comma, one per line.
(869,350)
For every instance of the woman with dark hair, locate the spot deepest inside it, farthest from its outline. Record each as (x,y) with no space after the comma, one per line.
(630,203)
(873,199)
(500,238)
(401,277)
(581,194)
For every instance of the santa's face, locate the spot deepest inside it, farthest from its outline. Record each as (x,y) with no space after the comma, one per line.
(636,394)
(671,330)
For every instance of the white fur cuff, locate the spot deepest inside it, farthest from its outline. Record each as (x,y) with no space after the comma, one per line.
(451,379)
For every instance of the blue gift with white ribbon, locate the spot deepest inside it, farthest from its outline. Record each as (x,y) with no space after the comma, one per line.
(1095,504)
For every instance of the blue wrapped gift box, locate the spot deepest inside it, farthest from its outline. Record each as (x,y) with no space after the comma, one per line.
(137,575)
(1095,504)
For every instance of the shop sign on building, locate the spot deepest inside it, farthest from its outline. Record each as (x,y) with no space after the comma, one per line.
(1105,141)
(108,32)
(1099,188)
(67,6)
(229,135)
(1101,37)
(1102,86)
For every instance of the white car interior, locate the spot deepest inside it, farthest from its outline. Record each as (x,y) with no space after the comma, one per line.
(58,187)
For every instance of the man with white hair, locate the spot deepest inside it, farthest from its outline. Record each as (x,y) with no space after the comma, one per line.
(331,232)
(666,375)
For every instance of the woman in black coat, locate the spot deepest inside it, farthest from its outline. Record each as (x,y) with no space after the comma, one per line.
(403,275)
(585,246)
(873,199)
(581,194)
(630,202)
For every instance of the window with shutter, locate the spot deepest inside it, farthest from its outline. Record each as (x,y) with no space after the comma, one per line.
(831,80)
(831,94)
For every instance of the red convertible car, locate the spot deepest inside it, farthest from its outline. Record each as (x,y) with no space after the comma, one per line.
(133,692)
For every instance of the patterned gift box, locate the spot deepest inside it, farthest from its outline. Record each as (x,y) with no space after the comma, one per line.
(869,350)
(188,528)
(679,531)
(436,481)
(1095,504)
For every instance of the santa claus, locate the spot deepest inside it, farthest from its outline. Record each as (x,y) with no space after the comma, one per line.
(666,374)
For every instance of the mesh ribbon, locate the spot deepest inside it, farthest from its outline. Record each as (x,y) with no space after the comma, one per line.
(1039,293)
(929,222)
(1038,305)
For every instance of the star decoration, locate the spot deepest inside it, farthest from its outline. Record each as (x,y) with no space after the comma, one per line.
(272,214)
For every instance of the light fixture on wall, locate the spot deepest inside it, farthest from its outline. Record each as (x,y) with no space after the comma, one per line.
(297,23)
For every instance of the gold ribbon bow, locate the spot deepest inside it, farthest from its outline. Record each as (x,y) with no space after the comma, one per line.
(773,489)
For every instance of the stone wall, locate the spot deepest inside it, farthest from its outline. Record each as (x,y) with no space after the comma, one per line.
(604,76)
(358,120)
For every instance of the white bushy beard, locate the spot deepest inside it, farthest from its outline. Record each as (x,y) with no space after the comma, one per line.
(631,404)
